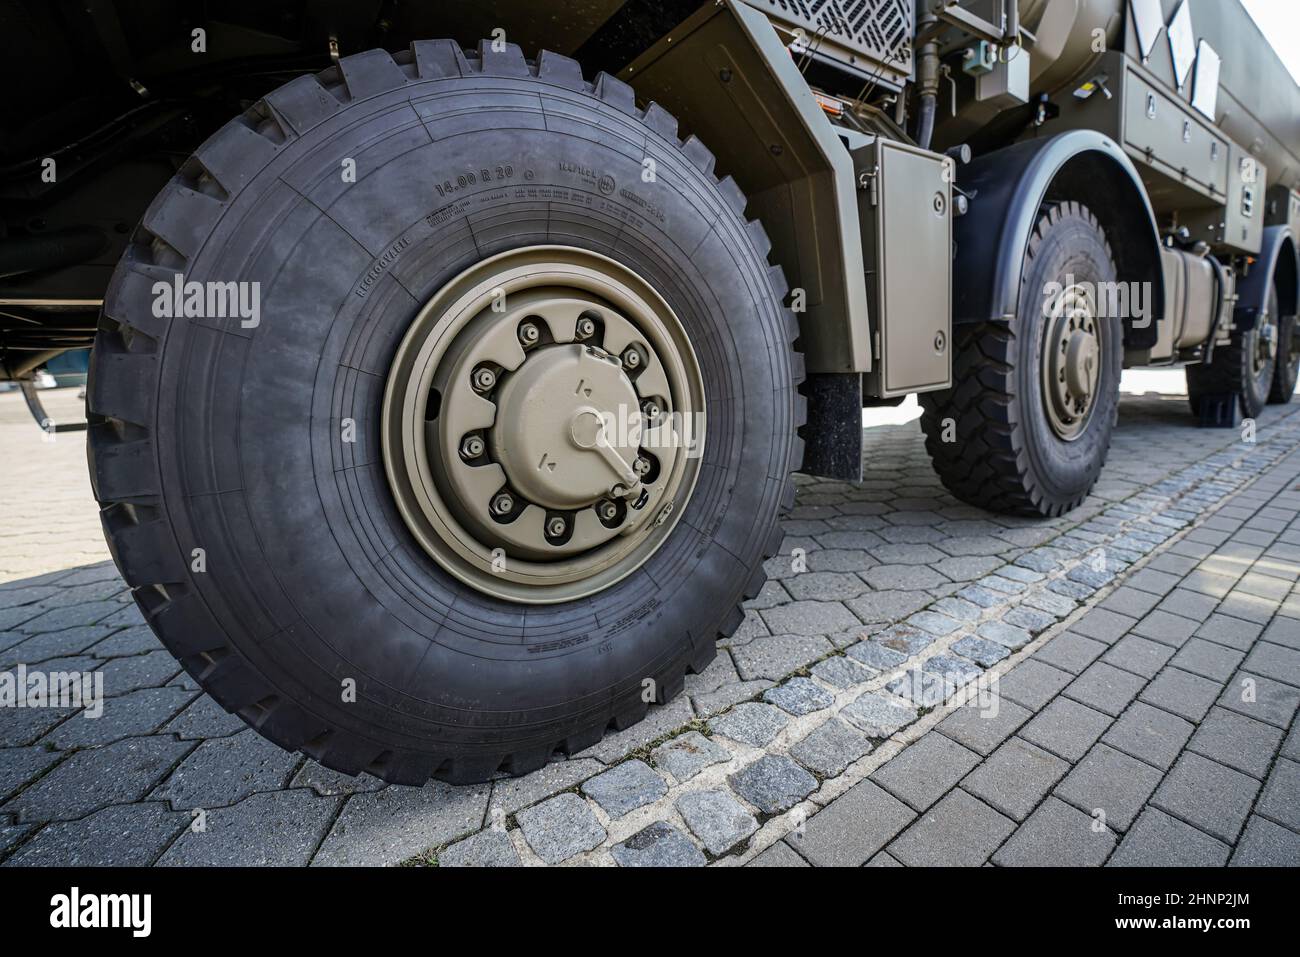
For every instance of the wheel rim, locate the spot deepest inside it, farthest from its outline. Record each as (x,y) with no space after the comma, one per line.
(1265,350)
(1071,361)
(543,422)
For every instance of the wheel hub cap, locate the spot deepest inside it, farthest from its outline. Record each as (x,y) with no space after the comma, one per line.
(1071,362)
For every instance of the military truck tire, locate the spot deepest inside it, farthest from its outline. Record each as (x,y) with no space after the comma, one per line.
(1244,367)
(1026,426)
(1288,362)
(251,501)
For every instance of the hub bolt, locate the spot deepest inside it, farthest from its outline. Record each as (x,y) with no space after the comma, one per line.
(631,358)
(503,503)
(484,380)
(556,527)
(650,409)
(529,334)
(641,466)
(607,511)
(472,447)
(586,328)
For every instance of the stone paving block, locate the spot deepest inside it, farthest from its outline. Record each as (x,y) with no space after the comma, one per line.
(88,780)
(1138,655)
(925,770)
(779,854)
(841,672)
(957,671)
(959,831)
(266,830)
(12,834)
(1056,835)
(1066,728)
(1237,741)
(1015,777)
(1239,604)
(491,847)
(921,688)
(1188,604)
(1009,636)
(150,670)
(1181,692)
(125,835)
(980,650)
(330,783)
(20,765)
(824,586)
(1265,844)
(1112,782)
(55,644)
(876,656)
(799,696)
(131,714)
(1166,628)
(905,638)
(657,845)
(1158,840)
(1130,601)
(706,705)
(1153,581)
(775,656)
(395,824)
(625,788)
(878,715)
(1033,683)
(1208,795)
(751,723)
(853,827)
(773,783)
(659,721)
(687,755)
(715,817)
(1059,606)
(1261,698)
(1283,631)
(24,726)
(1207,659)
(205,719)
(889,605)
(60,618)
(1030,619)
(809,618)
(1275,661)
(1103,625)
(830,748)
(1105,688)
(513,794)
(1150,734)
(1229,631)
(1280,801)
(1070,652)
(128,641)
(224,771)
(982,728)
(1291,747)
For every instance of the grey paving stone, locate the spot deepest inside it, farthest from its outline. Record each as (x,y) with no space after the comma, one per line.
(1015,777)
(830,748)
(330,783)
(1281,631)
(1291,746)
(878,715)
(921,688)
(1158,840)
(266,830)
(1208,795)
(905,638)
(1275,661)
(980,650)
(1166,628)
(799,696)
(1066,728)
(226,770)
(925,770)
(773,783)
(512,794)
(12,834)
(717,819)
(902,578)
(1154,581)
(205,719)
(957,671)
(1150,734)
(625,788)
(561,827)
(934,623)
(1030,619)
(1009,636)
(751,723)
(126,835)
(959,831)
(395,824)
(841,672)
(1103,625)
(131,714)
(659,721)
(1105,688)
(1033,683)
(876,656)
(1237,741)
(1070,652)
(687,755)
(1058,606)
(706,705)
(824,585)
(982,728)
(55,644)
(150,670)
(779,854)
(126,642)
(1280,801)
(809,618)
(1130,601)
(1057,835)
(889,605)
(853,827)
(24,726)
(1181,692)
(657,845)
(1188,604)
(1233,632)
(88,780)
(1138,655)
(1112,782)
(1265,844)
(1261,698)
(20,765)
(488,848)
(775,656)
(1208,659)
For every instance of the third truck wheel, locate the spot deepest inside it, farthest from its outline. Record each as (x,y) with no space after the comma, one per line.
(1244,367)
(399,515)
(1026,426)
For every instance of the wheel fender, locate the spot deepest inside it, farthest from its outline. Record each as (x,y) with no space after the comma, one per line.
(1007,189)
(1277,258)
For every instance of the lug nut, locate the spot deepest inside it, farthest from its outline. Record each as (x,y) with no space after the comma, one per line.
(555,527)
(503,503)
(586,328)
(472,447)
(650,409)
(529,334)
(607,511)
(641,466)
(631,358)
(484,379)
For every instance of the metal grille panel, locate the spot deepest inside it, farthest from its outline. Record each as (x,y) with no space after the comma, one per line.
(867,37)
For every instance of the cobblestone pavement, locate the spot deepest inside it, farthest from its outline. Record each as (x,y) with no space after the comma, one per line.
(1134,670)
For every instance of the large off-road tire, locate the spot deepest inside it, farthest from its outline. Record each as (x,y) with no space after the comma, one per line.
(1287,369)
(1244,367)
(241,470)
(1020,431)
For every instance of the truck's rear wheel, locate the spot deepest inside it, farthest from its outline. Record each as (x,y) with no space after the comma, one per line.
(384,522)
(1288,361)
(1244,368)
(1026,426)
